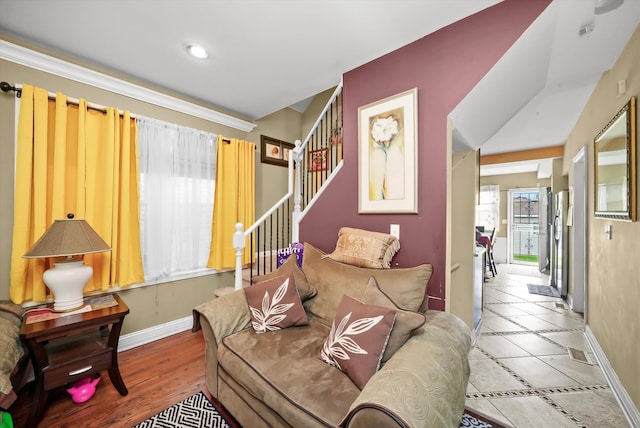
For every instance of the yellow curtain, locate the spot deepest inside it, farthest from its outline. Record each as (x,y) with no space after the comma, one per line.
(71,159)
(234,200)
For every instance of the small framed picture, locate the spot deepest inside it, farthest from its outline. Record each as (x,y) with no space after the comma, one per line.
(275,152)
(318,160)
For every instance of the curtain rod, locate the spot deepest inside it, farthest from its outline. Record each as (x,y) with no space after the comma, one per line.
(228,141)
(6,87)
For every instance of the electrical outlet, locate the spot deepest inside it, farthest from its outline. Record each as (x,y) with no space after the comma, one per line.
(394,230)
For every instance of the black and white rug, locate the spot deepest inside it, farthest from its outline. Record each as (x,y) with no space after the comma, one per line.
(543,290)
(197,411)
(470,421)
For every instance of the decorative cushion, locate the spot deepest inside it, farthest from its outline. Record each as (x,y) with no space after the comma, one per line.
(357,339)
(290,267)
(365,248)
(296,249)
(275,304)
(10,322)
(406,321)
(404,286)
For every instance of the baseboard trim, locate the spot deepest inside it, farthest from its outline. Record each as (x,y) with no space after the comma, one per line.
(151,334)
(570,301)
(628,407)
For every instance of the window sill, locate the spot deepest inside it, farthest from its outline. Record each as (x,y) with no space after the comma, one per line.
(147,283)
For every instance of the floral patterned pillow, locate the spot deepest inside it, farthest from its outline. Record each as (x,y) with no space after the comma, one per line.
(365,248)
(275,304)
(357,339)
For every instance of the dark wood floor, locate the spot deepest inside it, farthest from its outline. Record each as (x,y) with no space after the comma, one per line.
(157,375)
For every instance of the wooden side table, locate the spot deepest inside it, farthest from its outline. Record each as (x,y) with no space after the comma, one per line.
(72,347)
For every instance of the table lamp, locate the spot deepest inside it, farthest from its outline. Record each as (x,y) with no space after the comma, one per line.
(68,277)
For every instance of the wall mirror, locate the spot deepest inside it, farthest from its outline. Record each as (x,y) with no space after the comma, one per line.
(615,166)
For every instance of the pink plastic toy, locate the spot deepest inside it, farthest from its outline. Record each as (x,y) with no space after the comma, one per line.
(83,389)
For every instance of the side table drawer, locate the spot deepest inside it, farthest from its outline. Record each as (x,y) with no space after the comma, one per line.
(59,375)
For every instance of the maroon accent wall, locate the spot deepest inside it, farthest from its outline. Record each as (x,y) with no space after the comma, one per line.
(444,66)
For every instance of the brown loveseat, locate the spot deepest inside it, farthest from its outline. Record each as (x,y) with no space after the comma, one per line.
(277,378)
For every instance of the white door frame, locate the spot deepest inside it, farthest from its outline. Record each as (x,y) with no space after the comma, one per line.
(579,200)
(510,193)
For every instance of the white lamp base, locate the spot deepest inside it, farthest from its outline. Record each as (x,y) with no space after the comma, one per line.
(67,280)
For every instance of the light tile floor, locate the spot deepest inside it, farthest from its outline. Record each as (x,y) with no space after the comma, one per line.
(521,372)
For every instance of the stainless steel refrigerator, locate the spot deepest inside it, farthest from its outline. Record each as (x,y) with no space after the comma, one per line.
(560,261)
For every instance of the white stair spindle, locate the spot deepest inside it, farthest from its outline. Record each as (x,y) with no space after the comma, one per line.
(238,244)
(297,196)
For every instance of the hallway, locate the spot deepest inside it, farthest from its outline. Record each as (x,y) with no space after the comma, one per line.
(521,372)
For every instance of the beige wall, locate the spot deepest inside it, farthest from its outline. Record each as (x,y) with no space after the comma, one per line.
(271,180)
(613,290)
(559,180)
(151,305)
(507,182)
(286,125)
(313,111)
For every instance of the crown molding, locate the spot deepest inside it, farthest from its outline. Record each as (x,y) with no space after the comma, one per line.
(39,61)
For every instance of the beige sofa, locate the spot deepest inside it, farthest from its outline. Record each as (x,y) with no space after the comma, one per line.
(277,379)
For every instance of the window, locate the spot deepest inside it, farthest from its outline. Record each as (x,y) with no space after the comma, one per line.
(488,211)
(177,182)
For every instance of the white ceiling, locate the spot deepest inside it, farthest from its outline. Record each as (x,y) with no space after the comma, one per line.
(540,86)
(267,55)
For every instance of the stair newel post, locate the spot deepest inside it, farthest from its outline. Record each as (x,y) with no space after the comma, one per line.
(238,244)
(297,191)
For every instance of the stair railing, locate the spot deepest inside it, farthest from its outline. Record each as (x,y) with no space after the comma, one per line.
(312,164)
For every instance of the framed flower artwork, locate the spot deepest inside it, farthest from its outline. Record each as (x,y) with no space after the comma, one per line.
(275,152)
(387,155)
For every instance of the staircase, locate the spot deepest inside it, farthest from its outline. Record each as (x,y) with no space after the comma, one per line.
(311,167)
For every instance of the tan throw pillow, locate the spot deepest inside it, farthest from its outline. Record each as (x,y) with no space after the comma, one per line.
(365,248)
(357,339)
(404,286)
(275,304)
(406,321)
(290,267)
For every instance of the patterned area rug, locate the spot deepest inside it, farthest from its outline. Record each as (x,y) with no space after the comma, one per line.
(543,290)
(470,421)
(197,411)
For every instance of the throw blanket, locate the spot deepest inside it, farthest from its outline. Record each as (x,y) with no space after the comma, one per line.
(11,349)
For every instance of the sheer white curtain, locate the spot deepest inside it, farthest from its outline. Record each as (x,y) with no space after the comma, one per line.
(177,182)
(488,211)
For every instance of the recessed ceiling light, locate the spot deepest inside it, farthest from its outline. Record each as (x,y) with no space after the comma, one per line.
(197,51)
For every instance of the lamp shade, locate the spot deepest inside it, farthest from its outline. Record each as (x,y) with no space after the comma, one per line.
(67,278)
(67,238)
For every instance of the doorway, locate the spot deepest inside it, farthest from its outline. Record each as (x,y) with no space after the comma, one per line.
(523,226)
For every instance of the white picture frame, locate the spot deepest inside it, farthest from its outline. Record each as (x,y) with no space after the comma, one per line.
(387,155)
